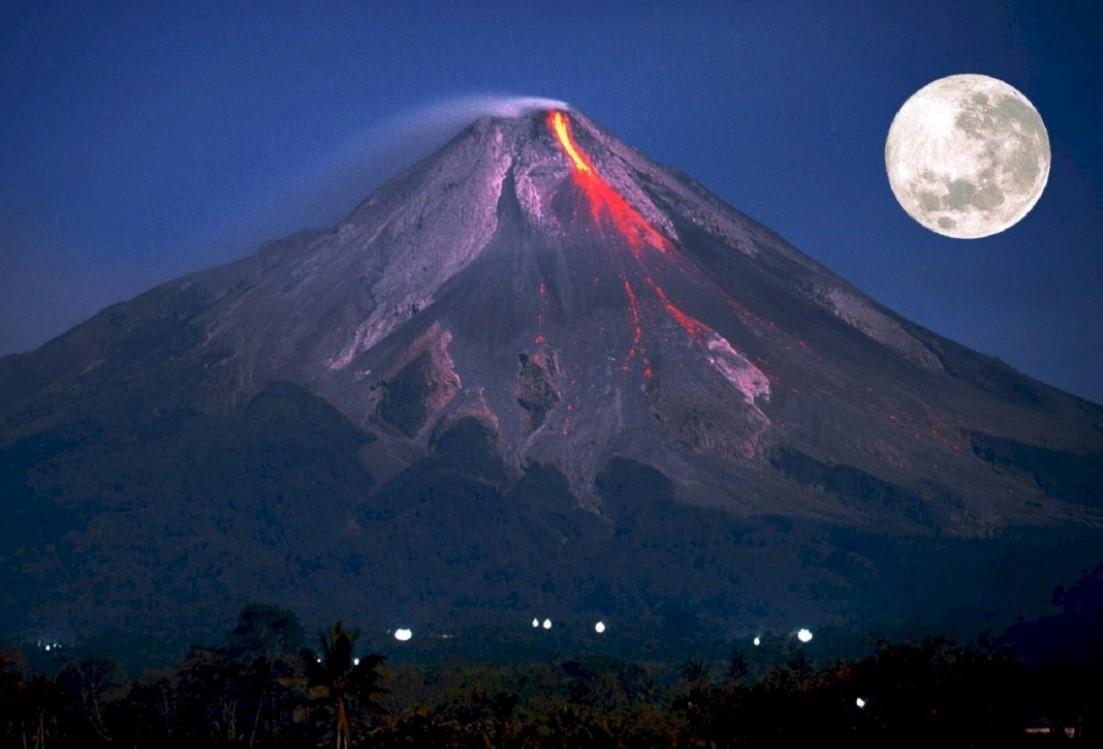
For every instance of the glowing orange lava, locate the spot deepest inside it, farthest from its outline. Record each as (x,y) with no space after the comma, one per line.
(609,208)
(637,332)
(606,204)
(696,329)
(561,126)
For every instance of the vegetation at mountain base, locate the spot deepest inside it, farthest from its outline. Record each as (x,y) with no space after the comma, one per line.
(271,685)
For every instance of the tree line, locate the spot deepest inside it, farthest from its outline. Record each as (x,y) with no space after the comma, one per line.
(268,685)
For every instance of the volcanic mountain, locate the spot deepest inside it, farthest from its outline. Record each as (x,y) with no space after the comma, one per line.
(534,372)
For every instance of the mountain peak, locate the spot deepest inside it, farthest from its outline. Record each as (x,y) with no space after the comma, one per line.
(538,310)
(658,323)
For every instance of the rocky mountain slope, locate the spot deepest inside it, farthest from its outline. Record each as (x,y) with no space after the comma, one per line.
(535,371)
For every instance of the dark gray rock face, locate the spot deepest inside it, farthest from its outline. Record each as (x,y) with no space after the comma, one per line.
(534,370)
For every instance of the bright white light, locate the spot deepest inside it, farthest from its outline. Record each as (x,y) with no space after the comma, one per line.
(402,635)
(47,648)
(356,661)
(860,702)
(757,641)
(599,627)
(535,622)
(804,635)
(319,660)
(547,624)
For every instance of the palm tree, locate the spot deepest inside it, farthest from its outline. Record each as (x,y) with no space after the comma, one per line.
(343,684)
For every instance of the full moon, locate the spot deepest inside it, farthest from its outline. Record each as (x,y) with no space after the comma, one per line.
(967,156)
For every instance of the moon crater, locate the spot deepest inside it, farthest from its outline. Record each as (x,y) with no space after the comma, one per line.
(967,156)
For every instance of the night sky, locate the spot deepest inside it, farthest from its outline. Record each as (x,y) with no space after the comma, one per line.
(139,141)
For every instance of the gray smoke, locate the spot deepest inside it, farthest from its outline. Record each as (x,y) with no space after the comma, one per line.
(321,193)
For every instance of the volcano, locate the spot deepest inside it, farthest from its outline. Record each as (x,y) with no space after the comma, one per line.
(536,372)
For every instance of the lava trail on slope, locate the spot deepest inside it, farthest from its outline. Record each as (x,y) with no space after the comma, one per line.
(609,208)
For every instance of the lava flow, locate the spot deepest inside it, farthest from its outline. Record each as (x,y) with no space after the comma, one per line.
(637,332)
(606,204)
(609,206)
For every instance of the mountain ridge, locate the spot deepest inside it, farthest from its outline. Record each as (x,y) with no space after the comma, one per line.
(534,299)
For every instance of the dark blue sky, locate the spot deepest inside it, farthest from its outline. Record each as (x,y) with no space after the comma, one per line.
(142,140)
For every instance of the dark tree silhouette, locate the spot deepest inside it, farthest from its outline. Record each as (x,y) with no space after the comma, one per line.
(90,687)
(39,709)
(267,631)
(252,692)
(264,647)
(340,686)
